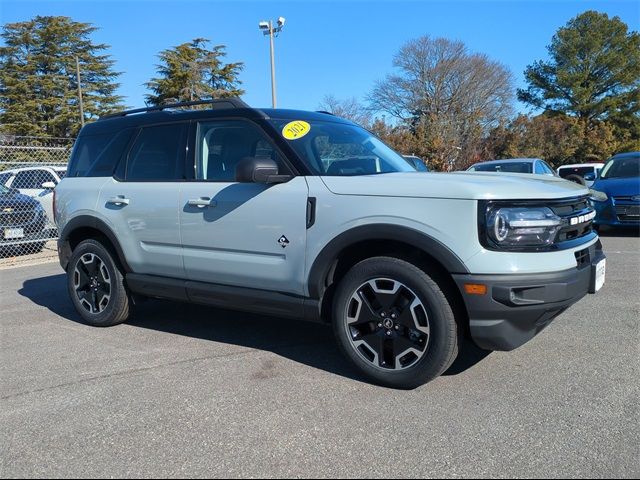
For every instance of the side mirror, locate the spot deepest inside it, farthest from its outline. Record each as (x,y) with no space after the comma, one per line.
(259,170)
(48,185)
(590,177)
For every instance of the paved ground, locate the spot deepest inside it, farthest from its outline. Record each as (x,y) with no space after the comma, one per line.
(190,391)
(48,254)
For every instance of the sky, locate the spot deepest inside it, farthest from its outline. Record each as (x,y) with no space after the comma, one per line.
(326,47)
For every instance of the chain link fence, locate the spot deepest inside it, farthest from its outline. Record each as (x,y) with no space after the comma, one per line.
(30,168)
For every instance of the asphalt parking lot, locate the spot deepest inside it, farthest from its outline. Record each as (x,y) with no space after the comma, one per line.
(191,391)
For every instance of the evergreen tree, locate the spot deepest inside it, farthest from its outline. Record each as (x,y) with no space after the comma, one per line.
(38,83)
(593,72)
(191,71)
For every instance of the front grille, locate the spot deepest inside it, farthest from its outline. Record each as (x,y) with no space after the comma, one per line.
(575,208)
(17,218)
(627,209)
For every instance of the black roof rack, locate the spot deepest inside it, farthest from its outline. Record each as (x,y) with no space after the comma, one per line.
(216,104)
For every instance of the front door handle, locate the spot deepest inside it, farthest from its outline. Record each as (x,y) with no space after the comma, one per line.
(118,200)
(202,202)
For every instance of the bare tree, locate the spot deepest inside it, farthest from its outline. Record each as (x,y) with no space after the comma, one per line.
(349,108)
(457,96)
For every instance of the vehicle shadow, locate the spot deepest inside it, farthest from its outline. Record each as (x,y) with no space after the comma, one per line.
(303,342)
(605,231)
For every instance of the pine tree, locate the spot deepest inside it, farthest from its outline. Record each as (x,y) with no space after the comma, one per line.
(593,72)
(38,83)
(192,71)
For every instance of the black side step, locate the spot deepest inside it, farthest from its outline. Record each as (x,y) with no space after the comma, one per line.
(223,296)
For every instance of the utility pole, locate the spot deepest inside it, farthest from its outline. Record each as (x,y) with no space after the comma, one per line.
(268,29)
(79,92)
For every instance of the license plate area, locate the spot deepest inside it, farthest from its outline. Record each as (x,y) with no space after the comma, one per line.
(13,233)
(598,275)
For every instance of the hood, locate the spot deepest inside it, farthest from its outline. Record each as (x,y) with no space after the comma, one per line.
(457,185)
(14,199)
(618,187)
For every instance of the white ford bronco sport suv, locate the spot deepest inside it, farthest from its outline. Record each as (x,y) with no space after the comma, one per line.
(305,215)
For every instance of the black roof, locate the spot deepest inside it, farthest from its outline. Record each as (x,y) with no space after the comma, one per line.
(175,112)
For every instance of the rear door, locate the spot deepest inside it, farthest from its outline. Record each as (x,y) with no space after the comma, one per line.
(241,234)
(141,202)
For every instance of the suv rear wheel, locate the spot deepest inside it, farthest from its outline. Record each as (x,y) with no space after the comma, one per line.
(394,323)
(96,285)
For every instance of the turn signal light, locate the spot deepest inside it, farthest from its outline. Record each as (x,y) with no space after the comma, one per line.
(475,288)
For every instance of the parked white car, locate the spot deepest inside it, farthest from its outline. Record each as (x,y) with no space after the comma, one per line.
(37,182)
(582,173)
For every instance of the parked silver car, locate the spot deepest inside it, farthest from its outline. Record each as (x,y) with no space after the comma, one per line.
(514,165)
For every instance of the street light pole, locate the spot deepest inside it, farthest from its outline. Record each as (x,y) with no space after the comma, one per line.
(273,67)
(79,92)
(268,29)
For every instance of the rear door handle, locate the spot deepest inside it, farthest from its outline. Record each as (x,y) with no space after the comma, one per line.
(118,200)
(202,202)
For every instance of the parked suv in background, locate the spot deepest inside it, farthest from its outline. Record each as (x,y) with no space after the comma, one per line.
(306,215)
(37,182)
(22,221)
(582,173)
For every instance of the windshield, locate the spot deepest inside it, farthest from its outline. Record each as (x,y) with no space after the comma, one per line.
(3,189)
(511,167)
(624,167)
(338,149)
(416,162)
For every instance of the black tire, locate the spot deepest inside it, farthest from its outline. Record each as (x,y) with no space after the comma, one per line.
(414,288)
(576,178)
(89,285)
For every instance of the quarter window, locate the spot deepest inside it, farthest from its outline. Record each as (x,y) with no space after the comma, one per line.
(97,155)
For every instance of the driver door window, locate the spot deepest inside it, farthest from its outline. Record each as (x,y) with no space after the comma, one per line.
(222,145)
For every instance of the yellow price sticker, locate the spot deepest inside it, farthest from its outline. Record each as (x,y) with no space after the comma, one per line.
(295,130)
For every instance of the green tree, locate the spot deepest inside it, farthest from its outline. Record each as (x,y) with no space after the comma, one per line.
(593,72)
(192,71)
(38,86)
(558,139)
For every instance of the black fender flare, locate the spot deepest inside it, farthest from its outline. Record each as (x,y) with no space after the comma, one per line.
(87,221)
(325,259)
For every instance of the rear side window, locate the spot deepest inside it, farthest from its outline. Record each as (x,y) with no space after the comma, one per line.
(98,155)
(158,154)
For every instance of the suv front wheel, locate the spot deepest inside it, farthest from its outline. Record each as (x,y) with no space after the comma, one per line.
(394,323)
(96,285)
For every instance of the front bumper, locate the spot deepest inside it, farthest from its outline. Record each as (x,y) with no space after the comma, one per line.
(617,212)
(518,307)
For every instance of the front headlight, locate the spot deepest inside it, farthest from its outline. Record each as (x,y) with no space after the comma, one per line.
(512,227)
(597,196)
